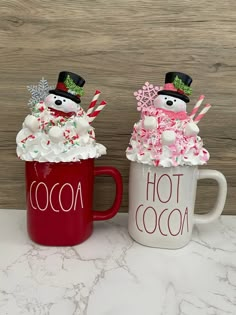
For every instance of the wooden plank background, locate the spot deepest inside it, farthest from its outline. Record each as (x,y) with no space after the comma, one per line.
(117,46)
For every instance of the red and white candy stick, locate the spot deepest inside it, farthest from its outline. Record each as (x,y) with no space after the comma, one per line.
(93,102)
(196,107)
(202,113)
(94,114)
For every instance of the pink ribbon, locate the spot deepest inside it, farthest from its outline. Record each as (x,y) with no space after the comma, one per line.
(173,115)
(171,87)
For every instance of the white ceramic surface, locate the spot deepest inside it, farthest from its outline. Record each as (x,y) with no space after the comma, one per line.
(162,200)
(110,274)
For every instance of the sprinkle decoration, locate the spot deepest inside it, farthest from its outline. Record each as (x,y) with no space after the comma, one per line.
(202,113)
(29,137)
(46,146)
(146,144)
(93,102)
(197,105)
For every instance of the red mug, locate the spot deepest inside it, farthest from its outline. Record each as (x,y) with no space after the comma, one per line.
(59,199)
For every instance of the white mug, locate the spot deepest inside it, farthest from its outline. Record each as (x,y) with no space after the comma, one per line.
(161,203)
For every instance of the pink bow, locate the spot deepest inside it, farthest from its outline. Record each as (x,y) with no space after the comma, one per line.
(175,115)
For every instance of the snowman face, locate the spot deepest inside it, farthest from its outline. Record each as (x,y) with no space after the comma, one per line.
(61,103)
(170,103)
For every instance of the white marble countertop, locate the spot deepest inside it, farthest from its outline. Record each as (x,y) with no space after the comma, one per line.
(109,274)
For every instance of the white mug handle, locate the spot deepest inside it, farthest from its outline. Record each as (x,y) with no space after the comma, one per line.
(221,197)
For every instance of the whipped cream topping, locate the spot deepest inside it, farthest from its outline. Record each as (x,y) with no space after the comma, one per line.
(147,146)
(47,136)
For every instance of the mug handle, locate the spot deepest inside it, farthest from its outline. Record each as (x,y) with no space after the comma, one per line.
(221,197)
(113,172)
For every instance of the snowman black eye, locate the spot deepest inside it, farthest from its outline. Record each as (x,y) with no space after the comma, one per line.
(174,100)
(165,98)
(55,97)
(64,100)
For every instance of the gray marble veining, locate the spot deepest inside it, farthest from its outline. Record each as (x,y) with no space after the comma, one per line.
(111,274)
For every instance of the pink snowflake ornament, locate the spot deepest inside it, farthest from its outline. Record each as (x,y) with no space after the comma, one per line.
(146,96)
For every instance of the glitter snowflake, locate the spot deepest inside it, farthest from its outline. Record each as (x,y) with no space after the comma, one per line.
(38,92)
(146,96)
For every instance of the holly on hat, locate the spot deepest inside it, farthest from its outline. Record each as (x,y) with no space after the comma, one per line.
(69,85)
(177,84)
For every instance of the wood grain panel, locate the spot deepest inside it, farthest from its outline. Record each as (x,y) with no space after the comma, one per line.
(117,46)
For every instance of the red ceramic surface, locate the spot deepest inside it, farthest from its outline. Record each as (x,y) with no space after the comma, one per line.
(59,201)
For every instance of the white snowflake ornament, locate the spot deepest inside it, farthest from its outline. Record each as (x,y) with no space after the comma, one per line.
(39,92)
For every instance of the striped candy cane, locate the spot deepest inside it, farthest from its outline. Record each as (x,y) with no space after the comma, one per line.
(93,102)
(196,107)
(202,113)
(93,115)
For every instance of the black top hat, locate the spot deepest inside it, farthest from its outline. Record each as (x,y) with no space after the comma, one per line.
(69,85)
(177,84)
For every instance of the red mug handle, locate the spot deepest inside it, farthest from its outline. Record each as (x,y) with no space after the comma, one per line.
(113,172)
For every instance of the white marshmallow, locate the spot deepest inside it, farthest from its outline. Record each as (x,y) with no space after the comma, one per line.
(150,122)
(82,125)
(31,122)
(84,139)
(168,137)
(56,134)
(191,129)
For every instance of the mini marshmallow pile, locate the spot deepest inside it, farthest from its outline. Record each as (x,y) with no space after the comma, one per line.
(46,137)
(160,139)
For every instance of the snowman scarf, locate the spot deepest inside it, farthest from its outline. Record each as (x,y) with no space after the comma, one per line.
(175,115)
(59,113)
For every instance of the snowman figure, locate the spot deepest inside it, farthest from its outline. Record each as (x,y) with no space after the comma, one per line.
(173,98)
(60,104)
(63,102)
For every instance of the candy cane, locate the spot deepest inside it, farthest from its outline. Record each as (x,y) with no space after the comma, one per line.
(202,113)
(93,102)
(196,107)
(93,115)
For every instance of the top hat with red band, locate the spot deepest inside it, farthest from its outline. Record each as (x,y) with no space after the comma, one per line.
(69,85)
(177,84)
